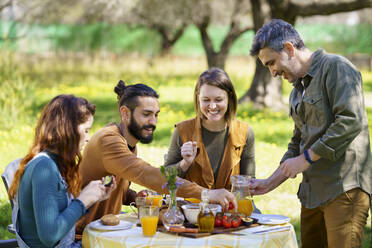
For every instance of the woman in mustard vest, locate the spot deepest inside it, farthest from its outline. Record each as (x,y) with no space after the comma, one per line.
(211,147)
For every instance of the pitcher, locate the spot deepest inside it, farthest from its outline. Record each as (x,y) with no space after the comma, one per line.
(240,188)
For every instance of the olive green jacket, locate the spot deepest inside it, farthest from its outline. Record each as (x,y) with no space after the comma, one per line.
(330,119)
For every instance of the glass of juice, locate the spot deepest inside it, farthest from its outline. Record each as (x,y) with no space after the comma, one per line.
(149,216)
(157,200)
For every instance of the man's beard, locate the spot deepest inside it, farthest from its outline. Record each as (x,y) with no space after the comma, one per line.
(135,129)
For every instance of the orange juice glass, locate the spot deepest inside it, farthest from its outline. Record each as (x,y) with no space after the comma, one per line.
(149,216)
(157,200)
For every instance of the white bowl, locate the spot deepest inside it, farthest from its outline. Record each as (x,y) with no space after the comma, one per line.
(191,211)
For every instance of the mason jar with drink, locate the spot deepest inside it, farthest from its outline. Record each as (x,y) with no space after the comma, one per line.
(240,188)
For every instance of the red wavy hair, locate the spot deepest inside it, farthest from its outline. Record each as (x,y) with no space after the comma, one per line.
(57,131)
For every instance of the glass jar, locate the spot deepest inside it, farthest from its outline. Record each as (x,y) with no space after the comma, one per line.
(205,216)
(240,188)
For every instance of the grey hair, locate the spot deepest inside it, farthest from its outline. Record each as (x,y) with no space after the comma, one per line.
(273,35)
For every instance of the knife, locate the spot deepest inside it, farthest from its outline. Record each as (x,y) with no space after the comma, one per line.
(272,229)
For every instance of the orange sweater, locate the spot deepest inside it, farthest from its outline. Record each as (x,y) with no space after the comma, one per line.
(107,153)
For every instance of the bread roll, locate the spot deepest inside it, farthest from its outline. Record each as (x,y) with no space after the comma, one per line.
(110,220)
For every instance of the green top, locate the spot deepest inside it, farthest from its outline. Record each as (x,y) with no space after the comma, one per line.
(214,143)
(44,214)
(331,119)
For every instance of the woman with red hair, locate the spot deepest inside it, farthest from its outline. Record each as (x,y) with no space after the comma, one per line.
(47,186)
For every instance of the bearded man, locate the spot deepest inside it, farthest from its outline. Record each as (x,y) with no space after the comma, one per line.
(112,151)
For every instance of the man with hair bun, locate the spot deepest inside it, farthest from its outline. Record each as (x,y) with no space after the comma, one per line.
(112,151)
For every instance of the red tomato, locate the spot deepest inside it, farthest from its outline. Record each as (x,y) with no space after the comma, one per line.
(219,215)
(236,222)
(218,222)
(231,205)
(226,222)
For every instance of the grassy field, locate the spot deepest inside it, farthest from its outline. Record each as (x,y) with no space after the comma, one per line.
(27,83)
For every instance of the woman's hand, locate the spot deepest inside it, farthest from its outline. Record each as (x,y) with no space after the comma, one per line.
(109,189)
(95,191)
(222,197)
(188,153)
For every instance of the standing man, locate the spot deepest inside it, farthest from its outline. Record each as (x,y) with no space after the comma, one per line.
(112,151)
(330,143)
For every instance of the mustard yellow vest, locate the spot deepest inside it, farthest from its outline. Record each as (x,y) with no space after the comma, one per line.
(200,170)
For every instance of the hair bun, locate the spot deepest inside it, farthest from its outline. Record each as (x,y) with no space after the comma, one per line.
(119,89)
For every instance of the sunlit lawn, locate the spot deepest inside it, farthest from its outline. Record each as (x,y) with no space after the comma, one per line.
(174,79)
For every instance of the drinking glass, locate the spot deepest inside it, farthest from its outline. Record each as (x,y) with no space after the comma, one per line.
(149,216)
(157,199)
(140,201)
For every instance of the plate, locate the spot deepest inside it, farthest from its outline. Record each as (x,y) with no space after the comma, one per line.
(121,226)
(271,219)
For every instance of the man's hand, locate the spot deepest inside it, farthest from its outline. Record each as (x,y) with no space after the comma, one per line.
(292,166)
(259,186)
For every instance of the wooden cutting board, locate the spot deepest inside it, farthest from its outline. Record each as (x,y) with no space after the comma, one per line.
(216,230)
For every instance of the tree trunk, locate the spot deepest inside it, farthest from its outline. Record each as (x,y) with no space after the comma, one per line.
(265,91)
(166,47)
(216,60)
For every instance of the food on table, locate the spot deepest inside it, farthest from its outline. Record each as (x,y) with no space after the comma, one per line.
(183,229)
(107,181)
(192,200)
(236,221)
(231,206)
(110,220)
(247,219)
(226,221)
(180,203)
(218,219)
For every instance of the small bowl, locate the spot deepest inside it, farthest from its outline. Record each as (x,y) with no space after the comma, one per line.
(191,211)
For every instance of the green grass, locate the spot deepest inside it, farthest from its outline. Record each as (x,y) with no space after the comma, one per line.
(25,86)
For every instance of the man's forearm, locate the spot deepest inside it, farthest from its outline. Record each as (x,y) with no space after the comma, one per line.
(276,179)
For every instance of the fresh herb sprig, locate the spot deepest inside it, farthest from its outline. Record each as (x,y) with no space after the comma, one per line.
(170,173)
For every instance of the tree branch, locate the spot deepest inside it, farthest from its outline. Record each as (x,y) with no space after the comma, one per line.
(5,5)
(320,8)
(207,42)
